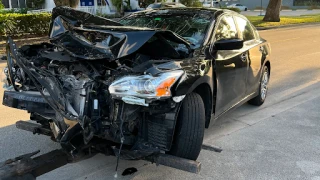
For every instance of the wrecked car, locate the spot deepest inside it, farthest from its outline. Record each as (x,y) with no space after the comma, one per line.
(147,84)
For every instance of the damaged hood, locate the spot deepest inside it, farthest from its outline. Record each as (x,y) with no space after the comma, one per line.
(90,37)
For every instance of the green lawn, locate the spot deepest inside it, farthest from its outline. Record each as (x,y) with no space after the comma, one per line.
(285,20)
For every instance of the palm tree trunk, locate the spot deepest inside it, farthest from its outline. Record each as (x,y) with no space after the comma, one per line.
(273,11)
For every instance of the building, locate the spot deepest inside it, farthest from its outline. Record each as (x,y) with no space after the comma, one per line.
(14,3)
(95,6)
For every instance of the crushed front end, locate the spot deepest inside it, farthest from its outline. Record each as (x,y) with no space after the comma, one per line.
(106,86)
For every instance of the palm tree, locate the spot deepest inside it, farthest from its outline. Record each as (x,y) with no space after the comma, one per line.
(273,11)
(70,3)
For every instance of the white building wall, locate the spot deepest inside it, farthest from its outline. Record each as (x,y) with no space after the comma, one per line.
(49,4)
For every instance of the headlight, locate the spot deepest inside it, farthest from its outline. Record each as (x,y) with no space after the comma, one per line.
(145,86)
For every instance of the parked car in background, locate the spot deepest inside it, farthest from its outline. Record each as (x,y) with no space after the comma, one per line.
(165,5)
(239,6)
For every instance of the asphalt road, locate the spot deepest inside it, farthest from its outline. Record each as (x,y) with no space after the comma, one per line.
(279,140)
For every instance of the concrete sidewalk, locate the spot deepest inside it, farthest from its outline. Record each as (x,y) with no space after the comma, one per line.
(280,140)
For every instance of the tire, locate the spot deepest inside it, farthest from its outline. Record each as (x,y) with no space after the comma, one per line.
(246,9)
(189,130)
(263,88)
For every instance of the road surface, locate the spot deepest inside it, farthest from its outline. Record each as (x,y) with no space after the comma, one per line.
(279,140)
(284,13)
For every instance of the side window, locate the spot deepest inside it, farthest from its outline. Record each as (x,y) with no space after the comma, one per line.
(226,29)
(245,30)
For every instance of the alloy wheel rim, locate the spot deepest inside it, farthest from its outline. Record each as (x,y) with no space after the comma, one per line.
(264,85)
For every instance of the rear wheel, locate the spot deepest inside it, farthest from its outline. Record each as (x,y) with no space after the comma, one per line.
(190,128)
(263,88)
(246,9)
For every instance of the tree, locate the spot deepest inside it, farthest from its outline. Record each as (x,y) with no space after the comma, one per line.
(70,3)
(273,11)
(37,4)
(1,5)
(191,3)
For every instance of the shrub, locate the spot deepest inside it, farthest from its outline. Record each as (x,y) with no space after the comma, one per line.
(233,9)
(191,3)
(21,24)
(197,4)
(18,11)
(313,7)
(117,4)
(37,4)
(1,5)
(70,3)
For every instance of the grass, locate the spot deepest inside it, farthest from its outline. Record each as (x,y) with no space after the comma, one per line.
(285,20)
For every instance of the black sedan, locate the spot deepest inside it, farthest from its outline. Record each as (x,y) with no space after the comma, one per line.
(141,87)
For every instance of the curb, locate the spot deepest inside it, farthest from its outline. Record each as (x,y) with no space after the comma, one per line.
(288,10)
(286,26)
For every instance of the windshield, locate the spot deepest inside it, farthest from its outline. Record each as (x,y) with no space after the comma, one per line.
(192,27)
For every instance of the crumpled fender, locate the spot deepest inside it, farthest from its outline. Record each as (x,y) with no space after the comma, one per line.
(197,72)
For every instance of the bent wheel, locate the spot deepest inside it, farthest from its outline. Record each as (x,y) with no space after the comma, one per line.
(190,128)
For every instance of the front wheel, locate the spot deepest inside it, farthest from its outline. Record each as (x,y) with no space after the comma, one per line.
(263,88)
(190,128)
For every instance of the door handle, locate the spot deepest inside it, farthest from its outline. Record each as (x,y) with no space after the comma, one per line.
(243,57)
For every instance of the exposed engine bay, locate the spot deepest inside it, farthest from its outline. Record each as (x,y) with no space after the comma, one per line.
(101,83)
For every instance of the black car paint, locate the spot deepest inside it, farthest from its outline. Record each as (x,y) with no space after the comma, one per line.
(231,80)
(222,78)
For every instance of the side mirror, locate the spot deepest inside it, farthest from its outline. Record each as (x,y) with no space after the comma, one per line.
(228,44)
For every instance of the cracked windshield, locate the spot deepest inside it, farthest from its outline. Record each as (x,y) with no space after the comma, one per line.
(191,27)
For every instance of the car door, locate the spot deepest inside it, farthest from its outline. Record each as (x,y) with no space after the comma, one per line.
(239,6)
(253,46)
(230,67)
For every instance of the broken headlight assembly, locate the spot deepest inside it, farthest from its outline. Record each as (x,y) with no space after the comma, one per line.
(145,86)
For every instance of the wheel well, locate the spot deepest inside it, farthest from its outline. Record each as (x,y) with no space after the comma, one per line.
(204,91)
(269,67)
